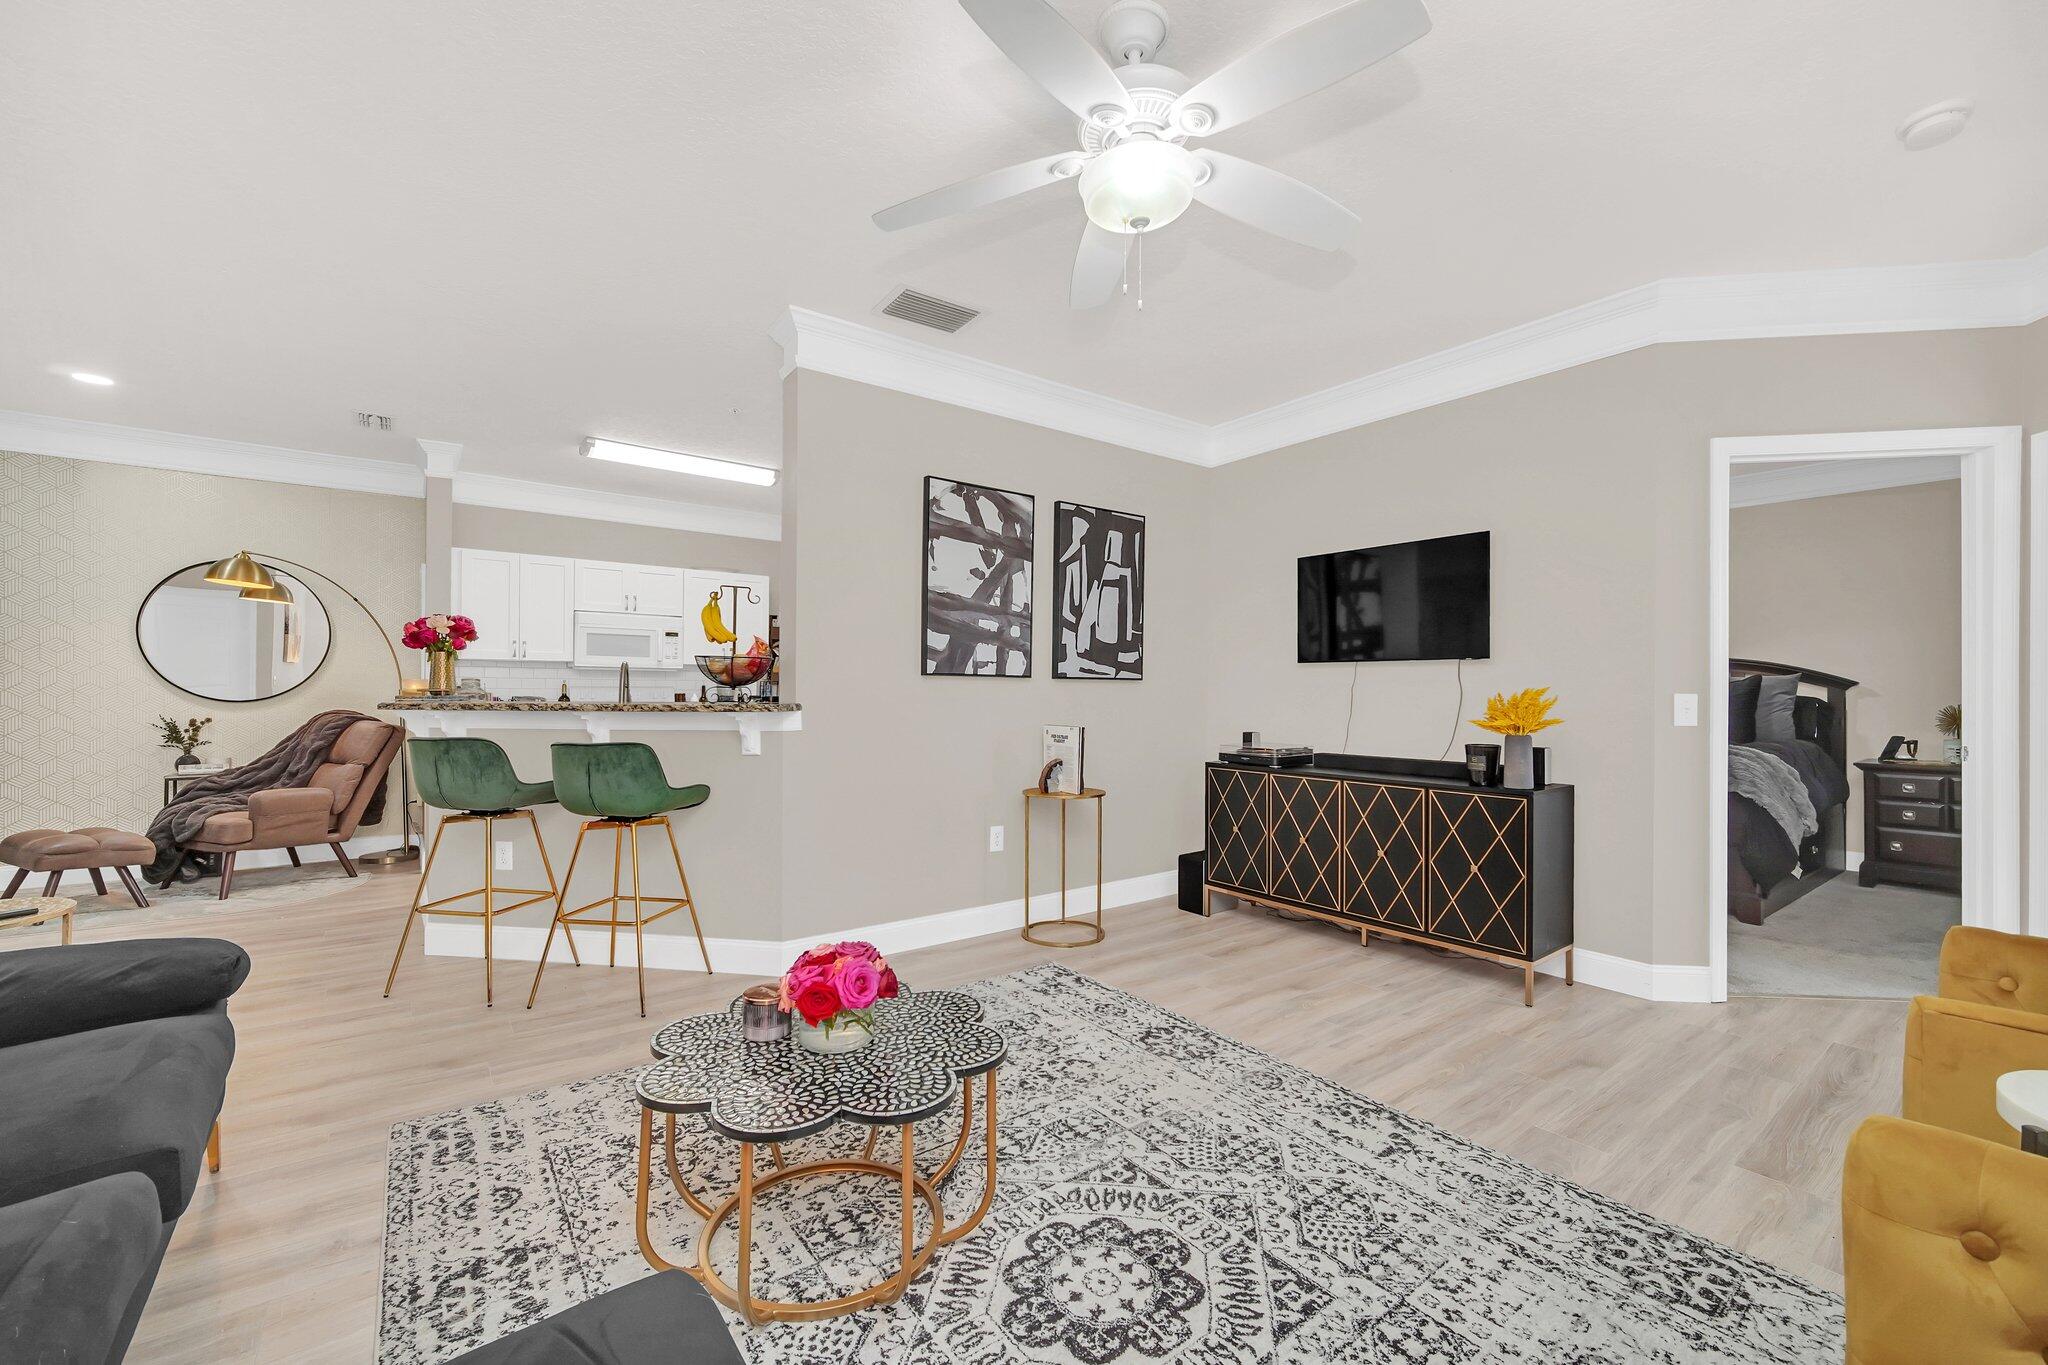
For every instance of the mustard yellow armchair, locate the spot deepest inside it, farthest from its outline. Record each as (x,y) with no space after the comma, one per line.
(1944,1248)
(1990,1018)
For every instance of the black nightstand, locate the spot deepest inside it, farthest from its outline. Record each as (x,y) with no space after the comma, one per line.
(1912,824)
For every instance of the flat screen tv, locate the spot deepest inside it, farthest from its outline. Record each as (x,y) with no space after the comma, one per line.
(1424,599)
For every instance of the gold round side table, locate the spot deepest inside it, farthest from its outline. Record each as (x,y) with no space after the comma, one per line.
(42,909)
(1091,933)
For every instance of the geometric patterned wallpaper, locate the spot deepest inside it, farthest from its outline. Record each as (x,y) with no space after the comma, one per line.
(82,542)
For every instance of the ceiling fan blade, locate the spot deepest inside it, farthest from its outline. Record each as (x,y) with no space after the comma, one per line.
(1098,265)
(973,194)
(1274,203)
(1049,50)
(1303,61)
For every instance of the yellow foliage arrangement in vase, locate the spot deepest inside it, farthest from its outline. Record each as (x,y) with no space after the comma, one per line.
(1515,717)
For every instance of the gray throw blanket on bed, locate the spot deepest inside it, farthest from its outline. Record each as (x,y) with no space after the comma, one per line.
(1773,784)
(290,764)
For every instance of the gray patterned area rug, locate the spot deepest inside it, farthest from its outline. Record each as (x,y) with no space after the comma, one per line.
(1165,1195)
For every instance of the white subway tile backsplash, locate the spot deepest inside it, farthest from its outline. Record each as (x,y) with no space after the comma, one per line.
(509,679)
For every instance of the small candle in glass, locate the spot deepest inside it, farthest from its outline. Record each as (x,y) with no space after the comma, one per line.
(762,1019)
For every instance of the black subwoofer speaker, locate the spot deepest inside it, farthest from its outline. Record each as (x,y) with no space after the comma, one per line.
(1191,882)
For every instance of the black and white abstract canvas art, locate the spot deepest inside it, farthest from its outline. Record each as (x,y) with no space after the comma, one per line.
(1099,570)
(978,545)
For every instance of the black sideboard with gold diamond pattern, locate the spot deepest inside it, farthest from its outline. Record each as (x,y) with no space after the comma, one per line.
(1485,871)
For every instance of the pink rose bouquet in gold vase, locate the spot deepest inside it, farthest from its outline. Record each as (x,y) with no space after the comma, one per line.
(829,991)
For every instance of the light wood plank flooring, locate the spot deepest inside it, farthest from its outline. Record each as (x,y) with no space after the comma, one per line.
(1728,1119)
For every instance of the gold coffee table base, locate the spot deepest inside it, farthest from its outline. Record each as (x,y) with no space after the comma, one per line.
(740,1206)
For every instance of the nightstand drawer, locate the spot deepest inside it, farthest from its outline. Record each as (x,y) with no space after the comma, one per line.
(1911,787)
(1912,815)
(1927,848)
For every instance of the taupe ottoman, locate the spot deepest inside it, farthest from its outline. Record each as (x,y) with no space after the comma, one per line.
(57,851)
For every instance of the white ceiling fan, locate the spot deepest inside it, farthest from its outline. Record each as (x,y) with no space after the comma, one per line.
(1135,170)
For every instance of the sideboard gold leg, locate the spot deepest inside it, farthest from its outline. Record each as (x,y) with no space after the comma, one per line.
(1567,966)
(1529,985)
(212,1141)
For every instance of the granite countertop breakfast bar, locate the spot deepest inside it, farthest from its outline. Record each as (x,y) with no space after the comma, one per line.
(599,719)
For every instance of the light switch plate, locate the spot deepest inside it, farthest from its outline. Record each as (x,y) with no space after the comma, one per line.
(1685,708)
(995,838)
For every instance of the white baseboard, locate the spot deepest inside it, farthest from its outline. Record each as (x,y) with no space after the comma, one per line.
(1851,861)
(675,948)
(312,855)
(1645,980)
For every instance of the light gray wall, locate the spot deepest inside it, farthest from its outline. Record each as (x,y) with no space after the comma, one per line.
(1594,484)
(889,791)
(82,543)
(1867,585)
(538,533)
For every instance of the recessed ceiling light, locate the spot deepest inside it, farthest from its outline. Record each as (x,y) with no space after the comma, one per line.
(1934,125)
(98,380)
(675,462)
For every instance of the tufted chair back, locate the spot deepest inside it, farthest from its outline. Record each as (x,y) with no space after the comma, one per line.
(1944,1248)
(1990,968)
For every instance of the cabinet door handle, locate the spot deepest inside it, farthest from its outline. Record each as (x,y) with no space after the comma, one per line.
(1906,815)
(1908,787)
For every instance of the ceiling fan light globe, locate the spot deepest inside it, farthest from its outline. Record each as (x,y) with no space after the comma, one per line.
(1140,185)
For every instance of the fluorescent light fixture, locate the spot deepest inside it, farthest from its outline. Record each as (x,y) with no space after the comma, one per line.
(675,462)
(98,380)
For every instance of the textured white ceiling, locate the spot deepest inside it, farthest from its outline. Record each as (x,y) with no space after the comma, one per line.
(514,224)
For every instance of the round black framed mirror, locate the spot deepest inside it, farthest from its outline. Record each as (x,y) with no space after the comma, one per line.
(216,644)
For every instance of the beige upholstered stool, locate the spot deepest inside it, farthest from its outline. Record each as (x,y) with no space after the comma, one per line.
(57,851)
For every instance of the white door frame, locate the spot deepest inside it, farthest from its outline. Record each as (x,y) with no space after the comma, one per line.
(2037,687)
(1992,572)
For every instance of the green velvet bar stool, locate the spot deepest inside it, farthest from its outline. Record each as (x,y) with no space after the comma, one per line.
(473,780)
(620,787)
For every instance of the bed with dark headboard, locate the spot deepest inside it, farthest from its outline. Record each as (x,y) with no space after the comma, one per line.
(1788,784)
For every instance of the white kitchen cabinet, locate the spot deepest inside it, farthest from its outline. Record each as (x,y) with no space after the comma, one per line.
(520,603)
(642,589)
(546,587)
(486,590)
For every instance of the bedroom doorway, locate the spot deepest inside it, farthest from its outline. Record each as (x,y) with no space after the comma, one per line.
(1794,915)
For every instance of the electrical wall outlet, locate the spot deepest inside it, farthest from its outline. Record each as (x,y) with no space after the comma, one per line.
(995,838)
(1685,708)
(502,856)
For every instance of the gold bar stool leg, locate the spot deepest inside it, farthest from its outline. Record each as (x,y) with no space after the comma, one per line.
(691,900)
(419,892)
(561,910)
(490,860)
(639,942)
(618,849)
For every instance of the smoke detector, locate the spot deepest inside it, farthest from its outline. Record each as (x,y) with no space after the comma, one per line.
(1934,125)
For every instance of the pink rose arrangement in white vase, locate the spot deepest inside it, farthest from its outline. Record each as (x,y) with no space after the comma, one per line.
(829,991)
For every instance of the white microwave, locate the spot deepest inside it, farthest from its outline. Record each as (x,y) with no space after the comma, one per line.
(606,639)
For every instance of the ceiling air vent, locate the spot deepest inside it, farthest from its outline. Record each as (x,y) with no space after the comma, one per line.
(375,421)
(926,311)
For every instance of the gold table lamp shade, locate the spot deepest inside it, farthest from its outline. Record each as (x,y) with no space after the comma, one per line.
(240,571)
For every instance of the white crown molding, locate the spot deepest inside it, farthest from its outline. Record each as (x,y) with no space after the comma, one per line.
(852,350)
(440,459)
(105,443)
(521,495)
(1915,298)
(1830,478)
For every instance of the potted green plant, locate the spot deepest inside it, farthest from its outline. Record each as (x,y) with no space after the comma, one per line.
(184,738)
(1949,721)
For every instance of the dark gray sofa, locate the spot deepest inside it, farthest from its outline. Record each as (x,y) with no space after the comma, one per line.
(113,1064)
(665,1319)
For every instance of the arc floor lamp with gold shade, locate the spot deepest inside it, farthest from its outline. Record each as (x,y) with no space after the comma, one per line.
(245,571)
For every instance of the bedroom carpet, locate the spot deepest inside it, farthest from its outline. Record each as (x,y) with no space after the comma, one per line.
(1879,942)
(1167,1196)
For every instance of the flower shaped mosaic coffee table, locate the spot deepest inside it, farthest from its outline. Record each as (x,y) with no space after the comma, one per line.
(929,1046)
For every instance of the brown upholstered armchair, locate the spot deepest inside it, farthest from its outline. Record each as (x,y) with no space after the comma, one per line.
(1990,1018)
(325,811)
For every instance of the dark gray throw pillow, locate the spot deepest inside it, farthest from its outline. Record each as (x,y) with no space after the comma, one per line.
(1742,693)
(1775,696)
